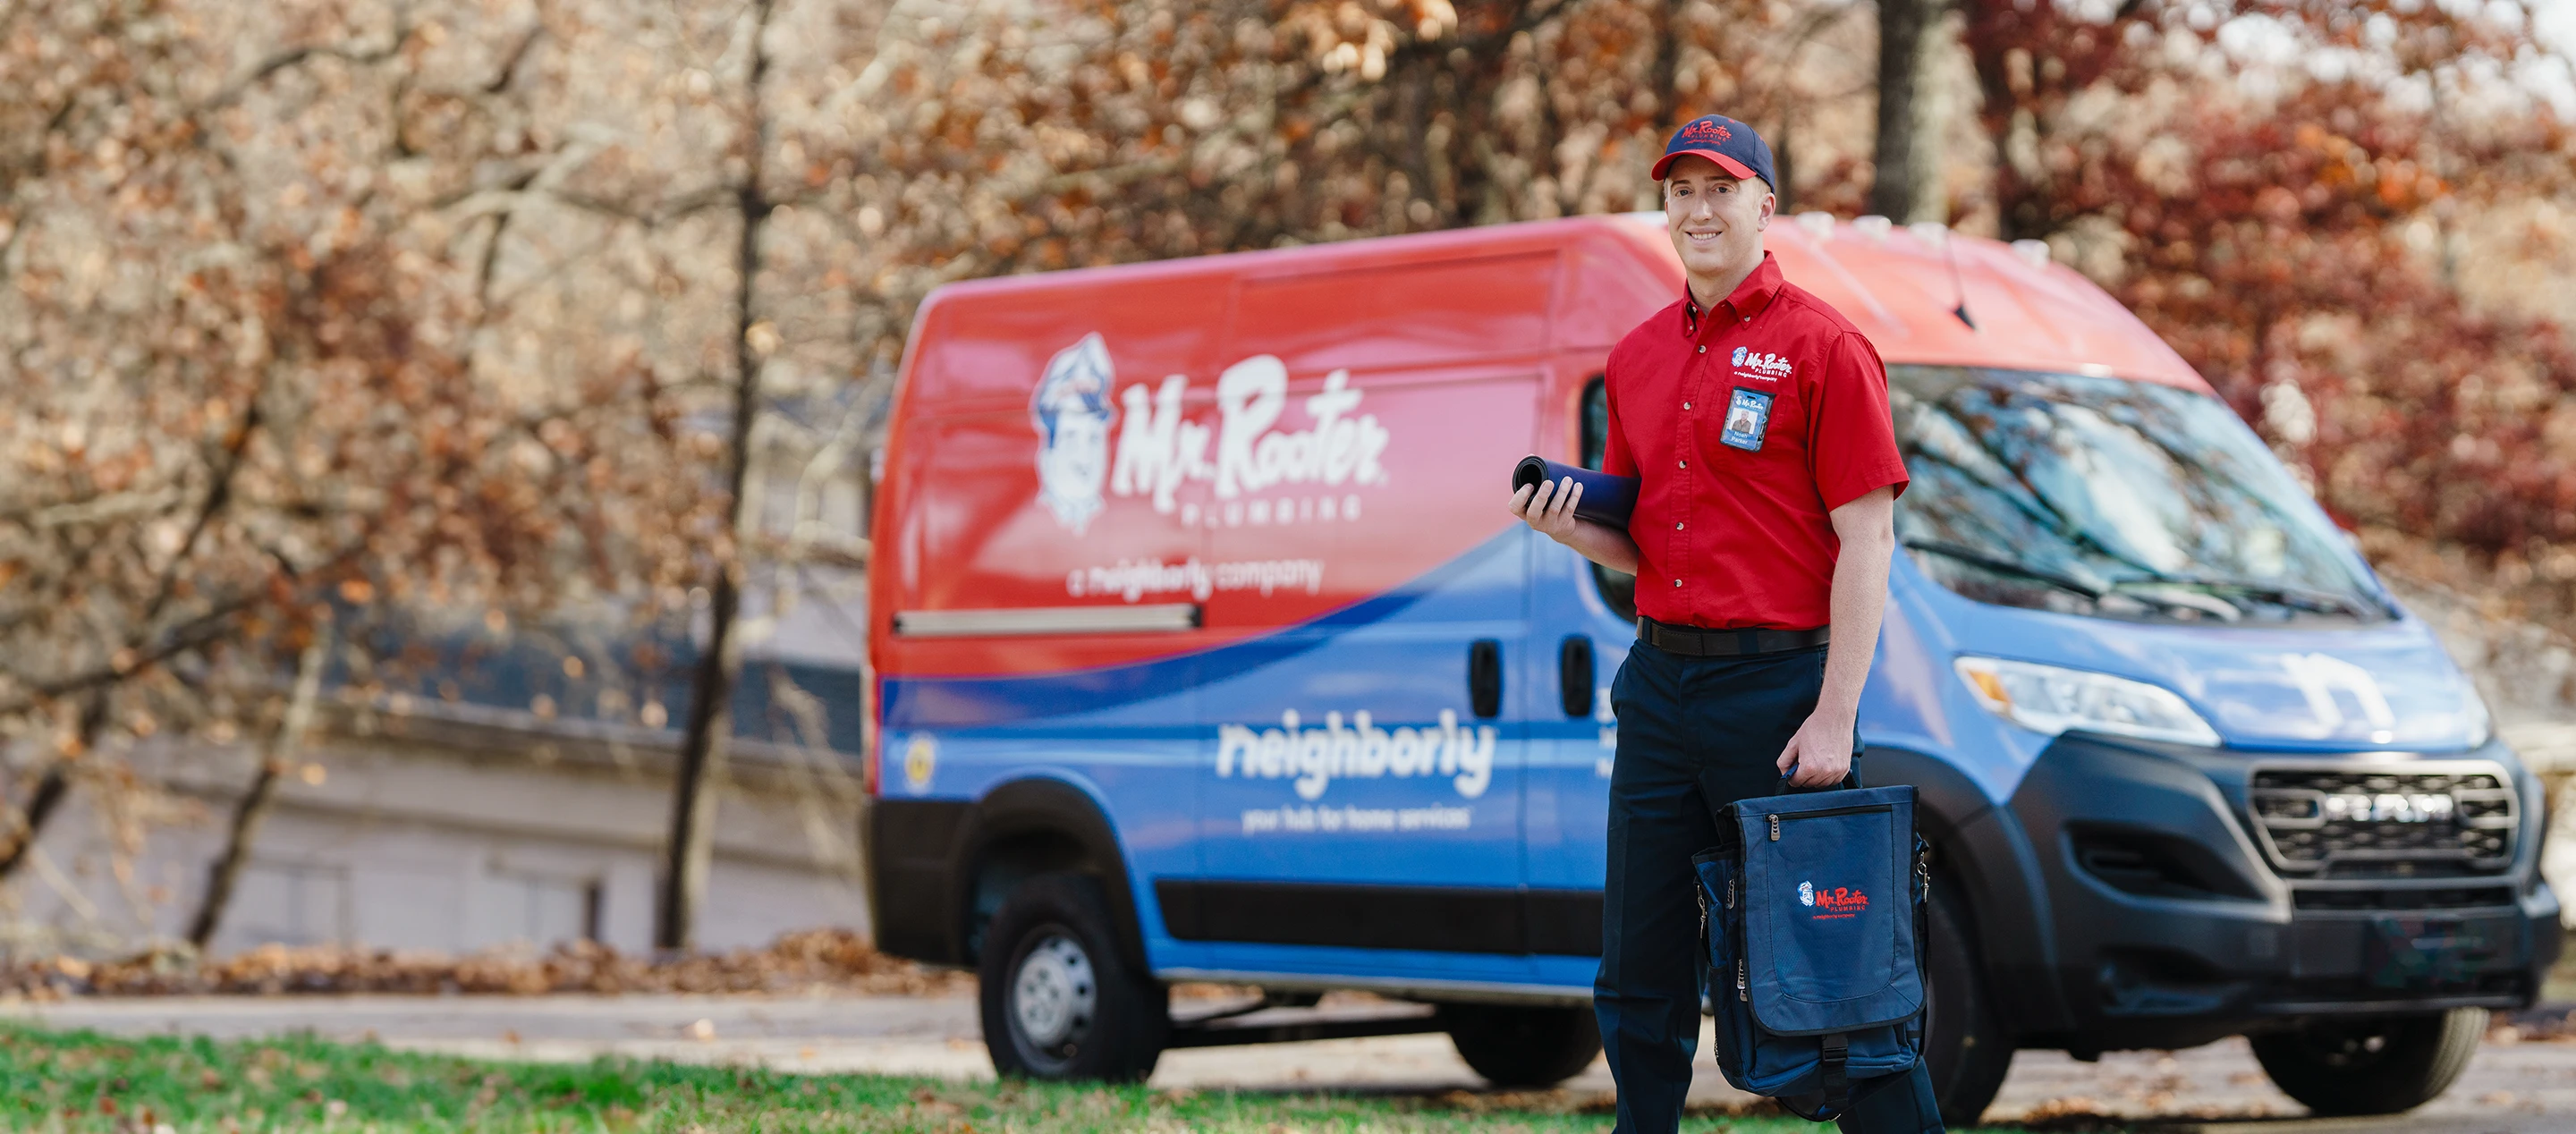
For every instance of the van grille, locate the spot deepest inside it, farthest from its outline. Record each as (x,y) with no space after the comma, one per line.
(2415,820)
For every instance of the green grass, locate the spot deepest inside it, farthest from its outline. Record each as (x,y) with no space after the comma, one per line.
(82,1081)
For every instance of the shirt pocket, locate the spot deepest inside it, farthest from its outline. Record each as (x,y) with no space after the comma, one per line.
(1756,421)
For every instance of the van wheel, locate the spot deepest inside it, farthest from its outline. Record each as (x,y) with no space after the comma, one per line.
(2380,1065)
(1965,1047)
(1058,1001)
(1523,1046)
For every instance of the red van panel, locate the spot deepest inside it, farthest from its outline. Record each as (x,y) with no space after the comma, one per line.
(1098,467)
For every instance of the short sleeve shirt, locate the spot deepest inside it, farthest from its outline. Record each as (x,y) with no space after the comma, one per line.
(1746,425)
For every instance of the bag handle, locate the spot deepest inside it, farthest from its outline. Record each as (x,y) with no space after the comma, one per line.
(1851,779)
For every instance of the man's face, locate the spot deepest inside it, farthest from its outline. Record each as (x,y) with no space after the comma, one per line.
(1080,455)
(1715,221)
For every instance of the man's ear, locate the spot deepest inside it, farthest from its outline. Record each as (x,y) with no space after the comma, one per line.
(1770,204)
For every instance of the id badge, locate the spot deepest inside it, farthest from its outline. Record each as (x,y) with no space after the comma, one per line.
(1748,416)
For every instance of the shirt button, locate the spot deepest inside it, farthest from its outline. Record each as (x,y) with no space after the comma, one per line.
(1685,405)
(1703,350)
(1677,582)
(1685,464)
(1677,527)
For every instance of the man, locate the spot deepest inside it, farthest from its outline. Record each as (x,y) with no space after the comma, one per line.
(1755,419)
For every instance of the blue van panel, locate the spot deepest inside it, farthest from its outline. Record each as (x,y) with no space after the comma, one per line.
(1168,747)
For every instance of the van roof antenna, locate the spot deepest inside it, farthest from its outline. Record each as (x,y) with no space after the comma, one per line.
(1958,285)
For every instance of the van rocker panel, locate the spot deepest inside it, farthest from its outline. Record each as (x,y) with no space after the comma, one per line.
(1444,919)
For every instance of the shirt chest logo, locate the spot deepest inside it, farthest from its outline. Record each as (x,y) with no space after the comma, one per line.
(1761,366)
(1748,417)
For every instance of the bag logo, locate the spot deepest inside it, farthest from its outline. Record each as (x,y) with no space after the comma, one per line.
(1833,904)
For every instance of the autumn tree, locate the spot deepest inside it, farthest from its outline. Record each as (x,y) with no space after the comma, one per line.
(241,376)
(2280,206)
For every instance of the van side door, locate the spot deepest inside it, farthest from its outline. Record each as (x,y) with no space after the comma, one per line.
(1366,788)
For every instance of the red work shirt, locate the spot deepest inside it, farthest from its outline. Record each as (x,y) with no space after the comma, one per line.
(1746,425)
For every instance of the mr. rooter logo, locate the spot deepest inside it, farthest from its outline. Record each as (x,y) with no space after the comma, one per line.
(1832,903)
(1159,447)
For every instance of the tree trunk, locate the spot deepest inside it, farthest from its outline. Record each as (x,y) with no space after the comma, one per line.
(56,784)
(252,810)
(53,787)
(702,743)
(1905,156)
(21,835)
(1786,202)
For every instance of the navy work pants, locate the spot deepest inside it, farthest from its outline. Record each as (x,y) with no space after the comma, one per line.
(1695,734)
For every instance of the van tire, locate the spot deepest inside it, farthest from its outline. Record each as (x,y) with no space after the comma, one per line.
(2332,1069)
(1521,1046)
(1059,1001)
(1965,1047)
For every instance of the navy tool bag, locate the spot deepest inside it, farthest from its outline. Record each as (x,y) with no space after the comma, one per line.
(1812,919)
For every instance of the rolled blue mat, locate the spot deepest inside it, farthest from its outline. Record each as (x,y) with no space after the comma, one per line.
(1606,499)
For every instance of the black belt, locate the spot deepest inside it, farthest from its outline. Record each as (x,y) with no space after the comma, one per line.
(1694,641)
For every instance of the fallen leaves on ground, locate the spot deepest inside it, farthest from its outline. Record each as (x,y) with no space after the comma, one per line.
(2546,1023)
(829,959)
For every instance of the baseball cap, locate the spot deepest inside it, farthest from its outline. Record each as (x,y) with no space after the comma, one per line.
(1731,144)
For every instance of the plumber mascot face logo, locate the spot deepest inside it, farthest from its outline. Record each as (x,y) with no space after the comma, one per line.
(1072,413)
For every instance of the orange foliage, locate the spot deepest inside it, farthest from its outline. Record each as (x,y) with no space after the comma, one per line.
(2276,234)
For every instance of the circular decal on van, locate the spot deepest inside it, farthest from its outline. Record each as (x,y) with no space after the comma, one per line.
(920,759)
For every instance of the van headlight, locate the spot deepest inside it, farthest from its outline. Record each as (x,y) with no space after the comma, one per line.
(2050,699)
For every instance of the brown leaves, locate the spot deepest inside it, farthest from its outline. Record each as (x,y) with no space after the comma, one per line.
(2290,243)
(797,962)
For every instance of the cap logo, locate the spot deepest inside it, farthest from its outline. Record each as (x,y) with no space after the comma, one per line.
(1705,130)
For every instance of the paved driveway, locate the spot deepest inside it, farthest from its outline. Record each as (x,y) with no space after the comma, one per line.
(2518,1088)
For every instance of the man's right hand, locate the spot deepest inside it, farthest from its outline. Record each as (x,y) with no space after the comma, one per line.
(1548,508)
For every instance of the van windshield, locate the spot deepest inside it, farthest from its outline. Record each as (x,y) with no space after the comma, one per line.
(2114,498)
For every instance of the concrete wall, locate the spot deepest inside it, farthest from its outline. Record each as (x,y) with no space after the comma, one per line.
(444,834)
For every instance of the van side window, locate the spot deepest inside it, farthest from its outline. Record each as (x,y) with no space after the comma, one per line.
(1618,588)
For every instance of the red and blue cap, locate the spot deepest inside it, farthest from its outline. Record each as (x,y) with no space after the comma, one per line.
(1731,144)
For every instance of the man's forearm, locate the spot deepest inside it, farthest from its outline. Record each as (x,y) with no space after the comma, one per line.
(1859,601)
(1603,544)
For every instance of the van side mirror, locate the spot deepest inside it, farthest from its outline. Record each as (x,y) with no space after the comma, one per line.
(1574,675)
(1485,677)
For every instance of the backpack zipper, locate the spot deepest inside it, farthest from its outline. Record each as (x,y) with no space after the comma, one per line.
(1740,987)
(1859,810)
(1821,813)
(1730,898)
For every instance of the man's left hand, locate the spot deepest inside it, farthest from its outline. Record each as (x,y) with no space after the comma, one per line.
(1821,751)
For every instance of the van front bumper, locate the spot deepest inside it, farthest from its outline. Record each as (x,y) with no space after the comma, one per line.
(2197,893)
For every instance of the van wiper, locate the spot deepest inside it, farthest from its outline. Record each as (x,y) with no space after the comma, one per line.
(2002,566)
(2300,598)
